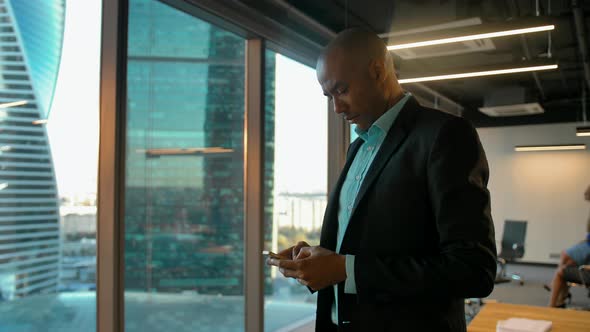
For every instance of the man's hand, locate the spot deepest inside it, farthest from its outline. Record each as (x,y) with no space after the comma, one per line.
(314,267)
(292,252)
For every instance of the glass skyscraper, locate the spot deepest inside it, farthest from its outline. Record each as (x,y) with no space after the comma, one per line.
(184,205)
(31,34)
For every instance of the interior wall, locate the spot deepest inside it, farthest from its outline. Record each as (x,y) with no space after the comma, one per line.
(544,188)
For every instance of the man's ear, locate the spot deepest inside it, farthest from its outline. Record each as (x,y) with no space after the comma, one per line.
(377,70)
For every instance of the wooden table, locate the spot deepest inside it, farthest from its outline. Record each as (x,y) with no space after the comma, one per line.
(563,320)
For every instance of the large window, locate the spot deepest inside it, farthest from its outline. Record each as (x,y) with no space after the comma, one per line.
(49,55)
(296,165)
(184,206)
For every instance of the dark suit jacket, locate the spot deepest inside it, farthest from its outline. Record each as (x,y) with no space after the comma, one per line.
(420,228)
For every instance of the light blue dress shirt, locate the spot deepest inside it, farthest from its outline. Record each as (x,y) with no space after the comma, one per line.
(373,138)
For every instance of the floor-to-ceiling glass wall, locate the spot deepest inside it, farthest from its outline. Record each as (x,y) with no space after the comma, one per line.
(49,78)
(296,164)
(184,199)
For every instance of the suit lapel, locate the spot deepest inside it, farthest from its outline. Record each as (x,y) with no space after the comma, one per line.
(330,224)
(395,137)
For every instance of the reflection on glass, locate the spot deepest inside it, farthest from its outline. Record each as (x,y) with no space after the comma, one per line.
(184,214)
(296,165)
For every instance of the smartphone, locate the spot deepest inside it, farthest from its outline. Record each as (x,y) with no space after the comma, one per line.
(272,255)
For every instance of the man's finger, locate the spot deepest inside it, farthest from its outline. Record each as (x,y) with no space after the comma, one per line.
(304,252)
(283,263)
(302,244)
(290,273)
(298,246)
(273,262)
(288,264)
(288,253)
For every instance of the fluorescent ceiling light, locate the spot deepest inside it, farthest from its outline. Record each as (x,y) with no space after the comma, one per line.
(40,121)
(583,131)
(476,74)
(471,37)
(14,103)
(550,147)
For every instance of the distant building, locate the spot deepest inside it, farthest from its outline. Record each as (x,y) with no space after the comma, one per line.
(78,259)
(31,34)
(301,210)
(184,201)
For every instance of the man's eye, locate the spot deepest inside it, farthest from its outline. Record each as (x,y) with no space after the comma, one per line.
(342,91)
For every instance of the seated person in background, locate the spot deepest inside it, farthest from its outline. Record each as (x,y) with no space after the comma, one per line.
(567,270)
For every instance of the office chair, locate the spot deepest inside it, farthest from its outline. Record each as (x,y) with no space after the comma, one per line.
(577,276)
(574,276)
(512,247)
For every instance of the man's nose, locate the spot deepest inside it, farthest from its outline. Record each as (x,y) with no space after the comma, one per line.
(338,106)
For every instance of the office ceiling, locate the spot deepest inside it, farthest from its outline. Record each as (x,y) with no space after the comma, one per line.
(559,92)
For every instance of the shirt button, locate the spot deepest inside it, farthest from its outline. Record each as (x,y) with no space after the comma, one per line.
(358,177)
(370,148)
(350,207)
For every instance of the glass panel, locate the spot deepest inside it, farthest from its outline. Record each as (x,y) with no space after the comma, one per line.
(296,177)
(184,214)
(48,165)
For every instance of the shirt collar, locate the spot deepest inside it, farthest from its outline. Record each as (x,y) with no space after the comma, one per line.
(384,122)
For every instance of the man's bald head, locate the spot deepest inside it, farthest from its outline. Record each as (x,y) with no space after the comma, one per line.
(356,73)
(358,46)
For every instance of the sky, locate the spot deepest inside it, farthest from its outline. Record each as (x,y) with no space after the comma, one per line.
(73,127)
(301,129)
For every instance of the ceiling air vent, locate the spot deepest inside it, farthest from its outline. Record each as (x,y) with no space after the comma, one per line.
(513,110)
(469,46)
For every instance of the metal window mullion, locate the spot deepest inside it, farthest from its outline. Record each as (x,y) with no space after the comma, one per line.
(338,141)
(109,294)
(247,21)
(253,189)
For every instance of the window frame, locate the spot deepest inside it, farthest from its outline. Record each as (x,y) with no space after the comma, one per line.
(261,33)
(111,168)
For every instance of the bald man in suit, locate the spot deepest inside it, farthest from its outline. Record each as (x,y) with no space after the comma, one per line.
(407,233)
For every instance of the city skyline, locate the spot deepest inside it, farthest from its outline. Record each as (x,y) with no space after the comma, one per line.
(29,206)
(80,72)
(184,214)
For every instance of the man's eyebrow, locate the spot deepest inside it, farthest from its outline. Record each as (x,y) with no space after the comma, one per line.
(333,86)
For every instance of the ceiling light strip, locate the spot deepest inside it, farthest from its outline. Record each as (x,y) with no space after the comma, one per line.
(476,74)
(583,131)
(533,148)
(471,37)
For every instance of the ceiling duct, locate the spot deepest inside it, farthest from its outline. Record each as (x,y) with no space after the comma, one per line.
(509,101)
(430,98)
(581,37)
(430,12)
(470,46)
